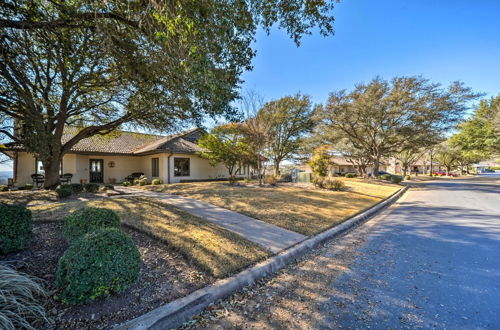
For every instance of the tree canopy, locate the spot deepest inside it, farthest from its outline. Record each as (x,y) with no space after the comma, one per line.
(289,118)
(158,64)
(479,137)
(383,117)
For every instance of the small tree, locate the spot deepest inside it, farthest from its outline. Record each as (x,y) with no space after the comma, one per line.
(447,156)
(228,145)
(320,161)
(289,118)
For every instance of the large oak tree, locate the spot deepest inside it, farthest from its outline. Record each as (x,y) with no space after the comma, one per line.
(101,64)
(383,117)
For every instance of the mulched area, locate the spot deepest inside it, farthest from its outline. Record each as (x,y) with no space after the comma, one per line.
(165,276)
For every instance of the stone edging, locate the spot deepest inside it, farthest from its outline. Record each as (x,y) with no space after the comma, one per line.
(175,313)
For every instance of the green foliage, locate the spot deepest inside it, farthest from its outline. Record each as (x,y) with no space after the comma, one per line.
(4,188)
(407,177)
(328,183)
(396,179)
(64,190)
(28,186)
(109,187)
(77,188)
(479,137)
(350,175)
(98,264)
(21,303)
(289,119)
(226,144)
(320,162)
(89,219)
(382,118)
(91,187)
(150,64)
(385,177)
(126,183)
(156,182)
(143,181)
(271,180)
(15,228)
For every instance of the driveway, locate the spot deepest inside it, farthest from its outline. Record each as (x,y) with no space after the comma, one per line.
(431,261)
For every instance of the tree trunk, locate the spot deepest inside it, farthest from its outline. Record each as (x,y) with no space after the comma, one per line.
(405,170)
(448,170)
(51,168)
(376,166)
(277,167)
(258,171)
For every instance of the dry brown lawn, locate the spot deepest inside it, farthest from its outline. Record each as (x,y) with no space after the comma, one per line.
(28,197)
(303,209)
(208,246)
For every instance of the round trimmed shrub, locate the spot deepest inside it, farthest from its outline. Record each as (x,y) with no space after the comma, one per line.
(407,177)
(15,228)
(155,182)
(396,179)
(89,219)
(126,183)
(351,175)
(77,187)
(98,264)
(334,184)
(385,177)
(91,187)
(28,186)
(4,188)
(64,191)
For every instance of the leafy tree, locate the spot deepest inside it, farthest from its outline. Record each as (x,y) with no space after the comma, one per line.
(228,145)
(384,117)
(409,156)
(101,64)
(478,137)
(289,119)
(320,161)
(447,156)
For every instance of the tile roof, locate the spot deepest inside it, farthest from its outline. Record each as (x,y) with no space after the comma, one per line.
(131,143)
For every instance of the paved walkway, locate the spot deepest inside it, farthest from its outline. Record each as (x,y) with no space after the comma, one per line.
(432,261)
(269,236)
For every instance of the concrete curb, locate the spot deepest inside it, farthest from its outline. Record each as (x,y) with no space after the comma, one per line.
(176,312)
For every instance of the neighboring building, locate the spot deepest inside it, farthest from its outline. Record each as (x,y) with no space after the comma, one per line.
(340,165)
(113,157)
(421,166)
(487,166)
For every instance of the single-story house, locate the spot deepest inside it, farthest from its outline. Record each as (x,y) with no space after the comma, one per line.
(420,166)
(111,158)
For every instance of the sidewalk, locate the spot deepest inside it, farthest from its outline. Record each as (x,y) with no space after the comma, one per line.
(269,236)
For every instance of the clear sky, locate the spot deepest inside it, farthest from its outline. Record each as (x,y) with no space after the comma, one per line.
(443,40)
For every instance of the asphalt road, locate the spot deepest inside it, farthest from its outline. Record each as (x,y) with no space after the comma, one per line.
(431,261)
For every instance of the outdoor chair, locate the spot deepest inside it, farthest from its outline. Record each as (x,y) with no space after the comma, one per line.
(66,178)
(38,180)
(133,176)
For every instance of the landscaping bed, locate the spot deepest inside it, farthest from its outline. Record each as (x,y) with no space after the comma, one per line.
(165,276)
(300,208)
(211,248)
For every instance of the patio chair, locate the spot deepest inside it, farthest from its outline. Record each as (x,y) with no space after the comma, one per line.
(38,180)
(66,178)
(133,176)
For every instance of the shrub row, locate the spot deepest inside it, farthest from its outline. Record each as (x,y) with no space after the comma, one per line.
(101,258)
(328,183)
(66,190)
(393,178)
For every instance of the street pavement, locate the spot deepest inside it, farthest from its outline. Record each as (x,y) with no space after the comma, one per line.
(430,261)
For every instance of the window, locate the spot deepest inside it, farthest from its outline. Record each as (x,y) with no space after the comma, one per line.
(155,167)
(181,166)
(40,170)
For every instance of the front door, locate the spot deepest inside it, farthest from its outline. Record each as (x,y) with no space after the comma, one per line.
(96,170)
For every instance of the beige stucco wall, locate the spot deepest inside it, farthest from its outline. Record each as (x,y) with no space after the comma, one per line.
(78,165)
(200,169)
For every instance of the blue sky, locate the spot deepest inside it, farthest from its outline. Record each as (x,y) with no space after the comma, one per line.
(442,40)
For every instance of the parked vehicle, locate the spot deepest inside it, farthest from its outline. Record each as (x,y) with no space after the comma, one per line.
(443,173)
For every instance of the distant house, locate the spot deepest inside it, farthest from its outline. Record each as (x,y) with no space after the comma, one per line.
(113,157)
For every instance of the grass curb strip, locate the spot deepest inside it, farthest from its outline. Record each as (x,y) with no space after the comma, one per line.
(181,310)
